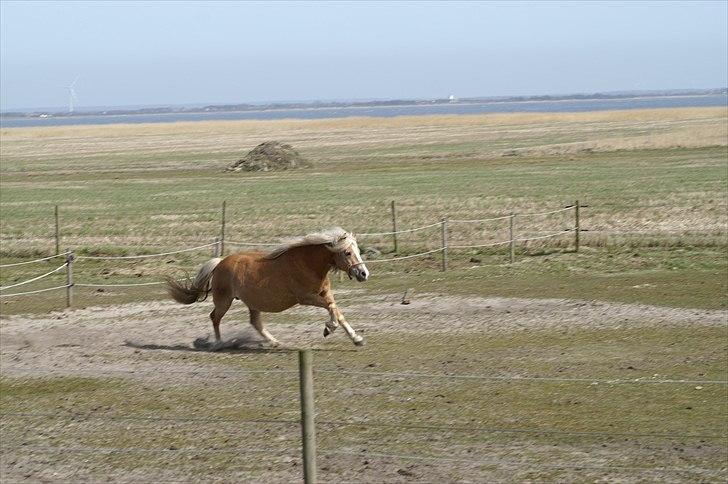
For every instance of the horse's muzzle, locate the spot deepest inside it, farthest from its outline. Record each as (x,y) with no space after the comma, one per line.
(360,272)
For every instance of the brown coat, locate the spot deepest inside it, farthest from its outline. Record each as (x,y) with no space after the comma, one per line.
(274,285)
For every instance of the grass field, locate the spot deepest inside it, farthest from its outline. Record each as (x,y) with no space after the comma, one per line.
(655,185)
(144,189)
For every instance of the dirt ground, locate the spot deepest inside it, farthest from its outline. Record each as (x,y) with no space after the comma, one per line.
(97,340)
(163,345)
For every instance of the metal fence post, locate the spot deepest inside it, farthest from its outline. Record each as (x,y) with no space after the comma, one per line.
(577,227)
(511,238)
(69,278)
(394,227)
(444,244)
(57,233)
(308,426)
(222,230)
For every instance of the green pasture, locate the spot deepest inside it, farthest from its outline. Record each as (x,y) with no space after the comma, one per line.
(658,190)
(654,221)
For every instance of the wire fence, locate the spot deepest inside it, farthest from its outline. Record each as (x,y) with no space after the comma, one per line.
(34,261)
(364,423)
(219,244)
(404,231)
(146,256)
(196,439)
(513,238)
(42,276)
(37,291)
(518,464)
(643,380)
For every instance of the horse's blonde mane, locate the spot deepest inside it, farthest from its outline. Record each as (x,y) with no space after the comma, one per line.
(341,240)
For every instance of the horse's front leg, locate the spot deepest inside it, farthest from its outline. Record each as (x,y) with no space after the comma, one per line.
(326,300)
(355,338)
(338,317)
(322,300)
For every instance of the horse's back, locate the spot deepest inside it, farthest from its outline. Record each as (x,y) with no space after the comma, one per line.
(238,268)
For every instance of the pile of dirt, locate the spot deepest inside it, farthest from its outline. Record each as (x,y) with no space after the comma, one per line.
(270,156)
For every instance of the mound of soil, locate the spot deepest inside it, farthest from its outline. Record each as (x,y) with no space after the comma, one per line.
(270,156)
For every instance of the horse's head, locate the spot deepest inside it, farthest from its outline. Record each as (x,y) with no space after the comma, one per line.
(348,258)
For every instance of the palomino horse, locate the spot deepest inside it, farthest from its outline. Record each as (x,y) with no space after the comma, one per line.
(294,273)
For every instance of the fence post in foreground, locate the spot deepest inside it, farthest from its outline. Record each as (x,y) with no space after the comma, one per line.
(511,219)
(58,240)
(444,244)
(69,278)
(222,230)
(308,427)
(216,248)
(394,227)
(576,226)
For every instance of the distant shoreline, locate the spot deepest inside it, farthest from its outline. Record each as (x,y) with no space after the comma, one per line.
(576,103)
(312,105)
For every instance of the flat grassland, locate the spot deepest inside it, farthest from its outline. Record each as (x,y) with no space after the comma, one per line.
(644,298)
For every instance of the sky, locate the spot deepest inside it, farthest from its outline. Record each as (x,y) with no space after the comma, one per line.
(161,53)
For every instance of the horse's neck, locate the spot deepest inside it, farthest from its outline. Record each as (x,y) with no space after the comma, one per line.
(315,258)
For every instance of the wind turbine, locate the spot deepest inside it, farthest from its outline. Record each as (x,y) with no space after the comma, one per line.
(72,94)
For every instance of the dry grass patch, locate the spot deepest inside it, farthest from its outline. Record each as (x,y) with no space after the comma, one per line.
(208,144)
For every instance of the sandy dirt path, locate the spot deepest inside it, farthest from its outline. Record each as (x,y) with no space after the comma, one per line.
(99,340)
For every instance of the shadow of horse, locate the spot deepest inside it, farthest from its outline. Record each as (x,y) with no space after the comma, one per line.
(242,345)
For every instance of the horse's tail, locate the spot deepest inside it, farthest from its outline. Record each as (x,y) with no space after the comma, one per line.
(191,291)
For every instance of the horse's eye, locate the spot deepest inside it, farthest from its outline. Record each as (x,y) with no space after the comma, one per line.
(348,253)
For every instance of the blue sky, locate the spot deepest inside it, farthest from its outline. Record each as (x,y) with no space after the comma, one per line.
(138,53)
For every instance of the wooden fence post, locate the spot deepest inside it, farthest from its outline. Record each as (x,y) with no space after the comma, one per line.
(444,244)
(69,278)
(57,232)
(511,238)
(222,230)
(308,426)
(216,248)
(577,226)
(394,227)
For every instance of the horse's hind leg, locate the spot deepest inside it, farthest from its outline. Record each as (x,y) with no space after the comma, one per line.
(222,304)
(257,323)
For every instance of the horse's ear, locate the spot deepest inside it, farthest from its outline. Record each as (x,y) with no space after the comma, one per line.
(343,237)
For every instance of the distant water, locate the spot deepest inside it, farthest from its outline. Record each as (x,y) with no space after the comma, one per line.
(386,111)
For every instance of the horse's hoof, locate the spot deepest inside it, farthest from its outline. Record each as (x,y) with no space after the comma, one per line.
(360,342)
(326,332)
